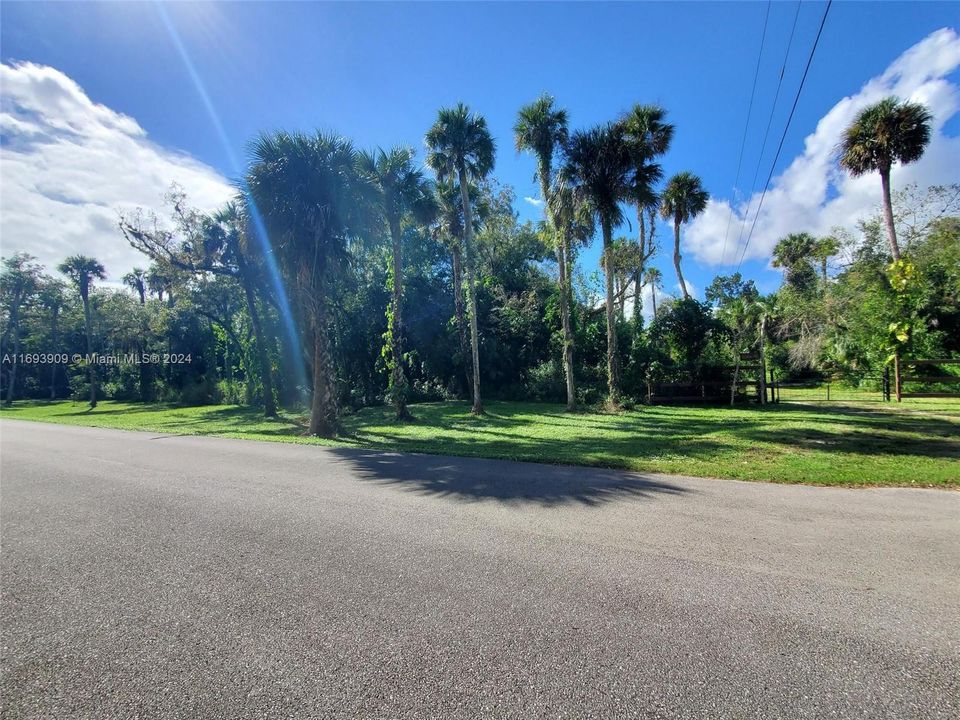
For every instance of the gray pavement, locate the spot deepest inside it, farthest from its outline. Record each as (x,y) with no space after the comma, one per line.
(150,576)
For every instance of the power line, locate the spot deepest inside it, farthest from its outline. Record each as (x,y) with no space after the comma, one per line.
(766,133)
(746,126)
(783,137)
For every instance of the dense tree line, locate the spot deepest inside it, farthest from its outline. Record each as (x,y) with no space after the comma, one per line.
(339,278)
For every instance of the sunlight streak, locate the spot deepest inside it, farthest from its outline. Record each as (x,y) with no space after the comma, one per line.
(260,230)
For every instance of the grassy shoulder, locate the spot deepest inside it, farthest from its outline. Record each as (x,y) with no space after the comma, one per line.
(915,444)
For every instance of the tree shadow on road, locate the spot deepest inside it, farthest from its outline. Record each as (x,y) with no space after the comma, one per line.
(476,479)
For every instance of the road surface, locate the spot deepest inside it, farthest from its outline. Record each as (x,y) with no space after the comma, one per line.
(155,576)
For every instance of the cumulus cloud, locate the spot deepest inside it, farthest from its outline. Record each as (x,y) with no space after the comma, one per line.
(536,202)
(69,165)
(812,194)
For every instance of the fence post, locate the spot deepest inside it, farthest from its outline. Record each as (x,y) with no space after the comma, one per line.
(828,392)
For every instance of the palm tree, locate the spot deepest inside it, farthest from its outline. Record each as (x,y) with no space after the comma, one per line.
(683,199)
(649,137)
(881,134)
(541,129)
(598,167)
(137,281)
(449,230)
(793,253)
(83,271)
(158,282)
(402,194)
(824,249)
(766,309)
(53,298)
(459,142)
(653,278)
(313,201)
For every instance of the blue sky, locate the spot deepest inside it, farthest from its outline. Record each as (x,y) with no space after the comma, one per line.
(378,73)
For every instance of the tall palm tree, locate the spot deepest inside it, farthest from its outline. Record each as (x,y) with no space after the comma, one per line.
(402,194)
(683,199)
(598,167)
(649,137)
(541,129)
(83,271)
(654,278)
(313,201)
(448,229)
(881,134)
(136,280)
(460,143)
(575,226)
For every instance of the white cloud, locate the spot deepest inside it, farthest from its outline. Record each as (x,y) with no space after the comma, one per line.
(812,194)
(68,165)
(536,202)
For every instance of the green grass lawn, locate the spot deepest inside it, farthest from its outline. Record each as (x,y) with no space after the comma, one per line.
(917,443)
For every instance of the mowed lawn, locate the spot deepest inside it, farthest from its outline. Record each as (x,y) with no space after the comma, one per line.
(917,443)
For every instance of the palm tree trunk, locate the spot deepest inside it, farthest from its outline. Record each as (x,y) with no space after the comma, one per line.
(458,311)
(266,376)
(763,362)
(676,257)
(567,329)
(888,213)
(54,328)
(638,272)
(613,372)
(653,297)
(91,366)
(323,406)
(398,380)
(477,408)
(736,369)
(565,297)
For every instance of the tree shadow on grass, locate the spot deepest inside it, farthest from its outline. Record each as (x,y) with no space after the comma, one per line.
(861,442)
(935,425)
(475,479)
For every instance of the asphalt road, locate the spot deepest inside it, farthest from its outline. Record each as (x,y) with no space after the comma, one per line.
(180,577)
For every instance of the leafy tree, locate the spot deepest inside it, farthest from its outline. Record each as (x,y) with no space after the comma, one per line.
(683,199)
(18,284)
(598,168)
(460,143)
(83,271)
(53,298)
(686,328)
(881,134)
